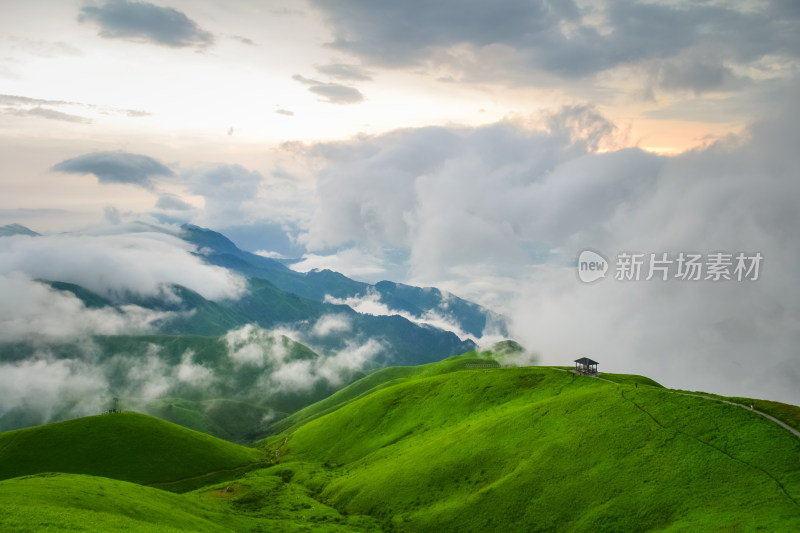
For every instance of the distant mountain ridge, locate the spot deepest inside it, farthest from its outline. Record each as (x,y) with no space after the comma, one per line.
(16,229)
(419,325)
(339,329)
(426,307)
(324,285)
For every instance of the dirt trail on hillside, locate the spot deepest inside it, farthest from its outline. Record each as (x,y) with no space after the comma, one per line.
(784,425)
(765,415)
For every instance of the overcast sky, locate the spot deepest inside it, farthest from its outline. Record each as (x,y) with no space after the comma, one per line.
(476,146)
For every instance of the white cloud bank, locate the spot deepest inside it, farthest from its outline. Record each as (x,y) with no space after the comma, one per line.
(371,303)
(66,388)
(30,310)
(271,350)
(498,213)
(113,262)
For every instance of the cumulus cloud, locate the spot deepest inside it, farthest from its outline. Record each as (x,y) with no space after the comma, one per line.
(147,377)
(284,371)
(192,373)
(145,22)
(228,189)
(237,198)
(303,374)
(344,71)
(329,324)
(170,202)
(113,262)
(352,358)
(499,213)
(251,345)
(293,376)
(146,374)
(460,196)
(116,167)
(331,93)
(735,338)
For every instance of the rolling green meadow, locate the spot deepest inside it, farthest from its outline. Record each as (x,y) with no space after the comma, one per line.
(438,447)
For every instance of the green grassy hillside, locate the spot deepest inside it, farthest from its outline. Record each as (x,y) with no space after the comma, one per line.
(59,502)
(449,446)
(541,449)
(376,380)
(260,502)
(125,446)
(227,419)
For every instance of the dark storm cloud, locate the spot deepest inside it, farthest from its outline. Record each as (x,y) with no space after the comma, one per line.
(332,93)
(555,37)
(142,21)
(116,167)
(344,71)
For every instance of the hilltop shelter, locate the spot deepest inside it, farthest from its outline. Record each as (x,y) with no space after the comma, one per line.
(584,365)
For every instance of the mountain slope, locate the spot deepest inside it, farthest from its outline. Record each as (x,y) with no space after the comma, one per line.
(124,446)
(16,229)
(258,502)
(449,446)
(421,304)
(264,304)
(378,379)
(71,502)
(541,449)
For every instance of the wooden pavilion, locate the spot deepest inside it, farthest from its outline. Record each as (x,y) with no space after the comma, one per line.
(584,365)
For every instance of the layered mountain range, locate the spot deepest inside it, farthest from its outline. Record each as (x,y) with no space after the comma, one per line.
(284,341)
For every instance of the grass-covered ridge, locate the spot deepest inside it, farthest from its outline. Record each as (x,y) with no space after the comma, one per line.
(450,446)
(378,379)
(542,449)
(125,446)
